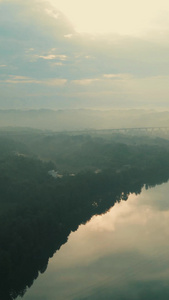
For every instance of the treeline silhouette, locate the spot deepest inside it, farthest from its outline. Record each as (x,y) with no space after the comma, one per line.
(38,212)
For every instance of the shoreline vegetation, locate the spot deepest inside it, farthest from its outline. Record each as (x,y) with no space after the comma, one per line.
(38,211)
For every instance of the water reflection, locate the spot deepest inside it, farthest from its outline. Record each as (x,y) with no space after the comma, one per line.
(120,255)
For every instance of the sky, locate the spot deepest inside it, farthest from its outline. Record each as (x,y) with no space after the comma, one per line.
(62,54)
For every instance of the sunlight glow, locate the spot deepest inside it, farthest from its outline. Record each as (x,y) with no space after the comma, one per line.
(109,16)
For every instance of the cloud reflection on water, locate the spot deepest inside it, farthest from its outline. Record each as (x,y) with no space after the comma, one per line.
(121,255)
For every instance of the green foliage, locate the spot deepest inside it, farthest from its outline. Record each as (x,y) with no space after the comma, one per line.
(38,212)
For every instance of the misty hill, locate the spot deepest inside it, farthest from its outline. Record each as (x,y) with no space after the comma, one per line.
(81,119)
(77,151)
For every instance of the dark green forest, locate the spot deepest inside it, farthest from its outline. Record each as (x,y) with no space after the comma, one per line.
(38,211)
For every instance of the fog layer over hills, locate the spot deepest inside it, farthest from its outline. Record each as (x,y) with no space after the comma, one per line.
(81,119)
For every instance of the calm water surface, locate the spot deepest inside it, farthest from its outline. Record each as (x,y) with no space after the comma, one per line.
(123,254)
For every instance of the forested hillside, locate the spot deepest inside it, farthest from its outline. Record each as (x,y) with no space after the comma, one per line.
(38,211)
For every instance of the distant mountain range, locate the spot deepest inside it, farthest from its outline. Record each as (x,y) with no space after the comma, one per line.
(81,119)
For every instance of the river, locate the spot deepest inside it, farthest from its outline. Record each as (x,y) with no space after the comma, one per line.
(122,254)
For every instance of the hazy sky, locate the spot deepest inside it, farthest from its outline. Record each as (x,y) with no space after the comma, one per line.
(73,54)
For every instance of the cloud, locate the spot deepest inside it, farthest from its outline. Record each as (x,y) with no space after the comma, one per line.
(52,13)
(36,17)
(40,50)
(14,79)
(68,36)
(85,81)
(117,76)
(52,56)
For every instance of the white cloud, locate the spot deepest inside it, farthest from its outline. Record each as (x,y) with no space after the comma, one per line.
(117,76)
(52,13)
(85,81)
(68,36)
(123,17)
(14,79)
(101,68)
(107,80)
(61,57)
(122,90)
(48,57)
